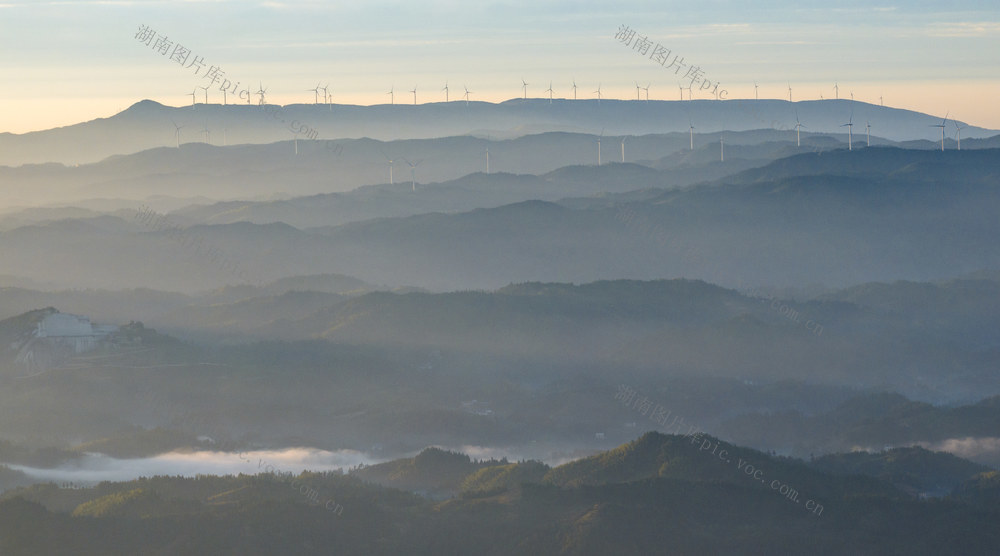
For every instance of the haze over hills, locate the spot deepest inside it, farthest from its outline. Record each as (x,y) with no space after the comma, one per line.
(199,171)
(850,222)
(148,124)
(288,325)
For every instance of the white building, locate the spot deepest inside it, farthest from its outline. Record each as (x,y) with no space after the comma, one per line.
(74,330)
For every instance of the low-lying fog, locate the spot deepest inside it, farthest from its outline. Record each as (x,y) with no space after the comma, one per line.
(94,468)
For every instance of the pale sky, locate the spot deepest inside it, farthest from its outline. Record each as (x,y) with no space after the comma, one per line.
(71,61)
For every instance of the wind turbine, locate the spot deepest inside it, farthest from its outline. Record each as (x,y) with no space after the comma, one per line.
(524,86)
(789,92)
(880,103)
(487,155)
(798,125)
(392,96)
(206,93)
(646,88)
(599,147)
(261,91)
(852,96)
(623,149)
(549,91)
(315,91)
(390,167)
(598,91)
(868,132)
(836,91)
(177,133)
(637,89)
(445,91)
(574,88)
(223,97)
(193,94)
(691,133)
(467,93)
(414,91)
(207,133)
(941,125)
(958,133)
(326,97)
(681,89)
(722,150)
(755,90)
(296,142)
(413,171)
(850,132)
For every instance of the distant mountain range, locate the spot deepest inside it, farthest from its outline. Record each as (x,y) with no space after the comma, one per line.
(148,124)
(873,215)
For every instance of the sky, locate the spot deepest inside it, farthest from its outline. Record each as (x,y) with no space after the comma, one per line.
(69,61)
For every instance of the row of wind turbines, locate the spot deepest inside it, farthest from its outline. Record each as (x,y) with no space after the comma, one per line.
(691,129)
(328,96)
(868,131)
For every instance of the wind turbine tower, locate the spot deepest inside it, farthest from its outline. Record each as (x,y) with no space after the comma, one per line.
(958,133)
(942,125)
(599,147)
(574,89)
(413,172)
(623,149)
(850,133)
(445,91)
(414,91)
(389,160)
(524,86)
(177,133)
(549,91)
(392,95)
(798,126)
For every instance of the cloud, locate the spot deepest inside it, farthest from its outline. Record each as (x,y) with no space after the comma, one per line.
(965,29)
(968,447)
